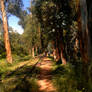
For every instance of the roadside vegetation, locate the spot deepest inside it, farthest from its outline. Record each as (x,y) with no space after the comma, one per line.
(55,49)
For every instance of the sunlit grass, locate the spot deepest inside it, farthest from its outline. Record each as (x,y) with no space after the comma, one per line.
(6,67)
(19,76)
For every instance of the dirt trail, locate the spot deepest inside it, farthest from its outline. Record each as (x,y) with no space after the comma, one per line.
(44,79)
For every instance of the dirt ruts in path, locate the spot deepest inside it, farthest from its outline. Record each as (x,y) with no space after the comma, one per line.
(44,79)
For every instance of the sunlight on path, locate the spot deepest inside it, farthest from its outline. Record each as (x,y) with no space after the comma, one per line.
(44,79)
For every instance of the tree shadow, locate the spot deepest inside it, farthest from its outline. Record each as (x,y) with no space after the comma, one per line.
(68,78)
(23,79)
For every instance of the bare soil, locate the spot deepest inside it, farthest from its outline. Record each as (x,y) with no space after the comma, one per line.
(44,79)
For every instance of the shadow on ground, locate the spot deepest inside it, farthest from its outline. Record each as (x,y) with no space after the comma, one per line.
(22,79)
(68,78)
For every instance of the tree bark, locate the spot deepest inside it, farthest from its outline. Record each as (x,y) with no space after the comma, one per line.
(30,52)
(84,39)
(60,47)
(62,54)
(54,54)
(36,49)
(57,54)
(58,57)
(6,34)
(89,8)
(83,31)
(33,52)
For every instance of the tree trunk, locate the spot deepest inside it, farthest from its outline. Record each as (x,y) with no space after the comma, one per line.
(57,49)
(54,54)
(84,39)
(60,47)
(30,52)
(6,34)
(57,54)
(62,54)
(83,31)
(36,49)
(89,8)
(33,52)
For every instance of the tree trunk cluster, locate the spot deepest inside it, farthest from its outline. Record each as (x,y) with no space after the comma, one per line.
(58,53)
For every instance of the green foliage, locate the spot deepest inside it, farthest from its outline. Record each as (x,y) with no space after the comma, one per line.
(2,48)
(71,40)
(17,44)
(31,33)
(58,17)
(4,66)
(14,7)
(71,77)
(65,78)
(14,81)
(49,21)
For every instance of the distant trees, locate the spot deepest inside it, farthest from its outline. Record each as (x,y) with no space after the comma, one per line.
(31,34)
(55,16)
(58,19)
(61,26)
(17,43)
(34,35)
(60,22)
(11,6)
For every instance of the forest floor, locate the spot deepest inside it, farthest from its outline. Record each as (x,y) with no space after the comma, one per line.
(39,74)
(28,76)
(45,77)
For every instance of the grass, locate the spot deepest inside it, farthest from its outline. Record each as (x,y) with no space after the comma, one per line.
(6,67)
(21,80)
(71,78)
(65,78)
(17,58)
(19,76)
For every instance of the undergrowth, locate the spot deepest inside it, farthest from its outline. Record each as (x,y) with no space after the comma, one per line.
(21,79)
(69,78)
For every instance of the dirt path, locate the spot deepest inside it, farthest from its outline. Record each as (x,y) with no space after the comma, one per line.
(44,79)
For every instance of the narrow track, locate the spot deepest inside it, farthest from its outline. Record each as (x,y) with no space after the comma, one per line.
(43,76)
(44,79)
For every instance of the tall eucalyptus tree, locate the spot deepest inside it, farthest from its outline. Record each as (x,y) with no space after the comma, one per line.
(6,34)
(12,7)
